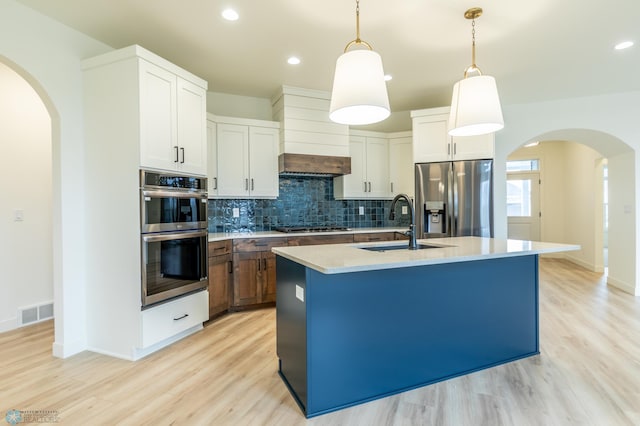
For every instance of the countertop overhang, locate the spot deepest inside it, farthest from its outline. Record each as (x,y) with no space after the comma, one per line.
(343,258)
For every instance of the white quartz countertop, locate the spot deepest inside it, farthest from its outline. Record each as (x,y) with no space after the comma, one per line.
(219,236)
(341,258)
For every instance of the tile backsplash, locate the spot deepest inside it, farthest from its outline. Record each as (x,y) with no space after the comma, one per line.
(303,201)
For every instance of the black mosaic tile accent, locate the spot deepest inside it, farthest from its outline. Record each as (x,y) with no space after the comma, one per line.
(303,201)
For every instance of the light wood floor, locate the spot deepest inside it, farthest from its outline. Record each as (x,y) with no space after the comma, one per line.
(588,374)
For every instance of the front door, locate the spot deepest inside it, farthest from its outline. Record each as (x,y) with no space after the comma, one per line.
(523,206)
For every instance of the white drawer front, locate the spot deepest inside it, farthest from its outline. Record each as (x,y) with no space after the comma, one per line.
(169,319)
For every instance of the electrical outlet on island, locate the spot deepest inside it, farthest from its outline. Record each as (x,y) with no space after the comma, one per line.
(361,211)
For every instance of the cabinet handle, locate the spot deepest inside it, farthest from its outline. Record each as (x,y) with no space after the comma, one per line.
(252,186)
(369,186)
(230,263)
(455,148)
(391,186)
(182,317)
(365,186)
(246,184)
(264,264)
(215,183)
(182,150)
(449,149)
(176,148)
(258,260)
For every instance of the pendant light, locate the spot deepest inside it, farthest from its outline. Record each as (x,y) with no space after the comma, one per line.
(359,94)
(475,104)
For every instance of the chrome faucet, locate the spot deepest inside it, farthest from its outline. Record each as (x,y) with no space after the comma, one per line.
(413,244)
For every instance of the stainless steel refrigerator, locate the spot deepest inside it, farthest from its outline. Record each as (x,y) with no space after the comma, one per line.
(454,199)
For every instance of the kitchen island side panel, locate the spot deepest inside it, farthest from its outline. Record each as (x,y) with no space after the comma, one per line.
(375,333)
(291,323)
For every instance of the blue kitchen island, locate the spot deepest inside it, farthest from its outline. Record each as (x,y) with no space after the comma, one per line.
(355,324)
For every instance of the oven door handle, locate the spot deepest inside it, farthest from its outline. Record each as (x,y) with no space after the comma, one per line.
(168,236)
(173,194)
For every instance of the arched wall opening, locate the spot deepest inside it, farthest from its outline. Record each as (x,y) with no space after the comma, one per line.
(30,253)
(585,228)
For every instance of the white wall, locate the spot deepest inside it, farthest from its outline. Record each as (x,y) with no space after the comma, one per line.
(26,256)
(609,124)
(239,106)
(48,55)
(570,198)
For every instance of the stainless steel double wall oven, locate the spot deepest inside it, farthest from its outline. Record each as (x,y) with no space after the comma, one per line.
(173,224)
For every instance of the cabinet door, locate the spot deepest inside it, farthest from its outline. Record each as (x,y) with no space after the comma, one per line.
(401,173)
(233,167)
(377,168)
(245,278)
(263,162)
(192,127)
(267,277)
(353,185)
(158,120)
(220,271)
(212,159)
(431,142)
(473,147)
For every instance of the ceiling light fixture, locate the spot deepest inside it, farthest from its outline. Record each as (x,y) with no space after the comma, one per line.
(388,77)
(623,45)
(359,94)
(230,15)
(475,104)
(293,60)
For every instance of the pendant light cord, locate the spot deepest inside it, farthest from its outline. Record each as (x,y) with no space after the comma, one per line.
(357,40)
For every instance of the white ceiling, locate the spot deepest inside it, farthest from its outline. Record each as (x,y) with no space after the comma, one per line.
(536,50)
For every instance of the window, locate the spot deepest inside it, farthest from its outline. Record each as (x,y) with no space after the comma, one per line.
(519,197)
(523,166)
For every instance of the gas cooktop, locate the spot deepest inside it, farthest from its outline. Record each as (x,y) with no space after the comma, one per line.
(311,228)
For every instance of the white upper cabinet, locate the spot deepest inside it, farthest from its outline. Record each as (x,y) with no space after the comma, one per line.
(431,142)
(173,121)
(192,128)
(245,164)
(401,169)
(369,176)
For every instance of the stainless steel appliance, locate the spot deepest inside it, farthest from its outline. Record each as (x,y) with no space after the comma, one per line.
(454,199)
(173,223)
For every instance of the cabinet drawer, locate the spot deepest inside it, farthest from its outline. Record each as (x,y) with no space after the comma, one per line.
(257,244)
(217,248)
(320,239)
(169,319)
(375,236)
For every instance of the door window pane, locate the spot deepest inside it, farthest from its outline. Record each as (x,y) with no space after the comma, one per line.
(522,166)
(519,197)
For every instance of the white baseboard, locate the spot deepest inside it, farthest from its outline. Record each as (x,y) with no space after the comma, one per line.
(580,262)
(626,287)
(141,353)
(67,349)
(8,324)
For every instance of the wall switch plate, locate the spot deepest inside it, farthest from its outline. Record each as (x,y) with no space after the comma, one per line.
(299,293)
(405,210)
(236,212)
(361,211)
(18,215)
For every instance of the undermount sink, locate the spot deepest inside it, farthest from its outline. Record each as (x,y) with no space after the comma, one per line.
(398,247)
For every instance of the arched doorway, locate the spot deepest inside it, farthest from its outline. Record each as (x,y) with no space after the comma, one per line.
(579,216)
(26,224)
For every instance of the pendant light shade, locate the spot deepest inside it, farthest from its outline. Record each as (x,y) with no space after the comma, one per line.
(475,104)
(475,107)
(359,94)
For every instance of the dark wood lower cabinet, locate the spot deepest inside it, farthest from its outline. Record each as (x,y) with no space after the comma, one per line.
(220,273)
(254,265)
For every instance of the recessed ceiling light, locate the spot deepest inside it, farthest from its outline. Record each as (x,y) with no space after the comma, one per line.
(293,60)
(230,15)
(623,45)
(388,77)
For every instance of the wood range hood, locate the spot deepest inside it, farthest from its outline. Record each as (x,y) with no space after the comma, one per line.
(313,165)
